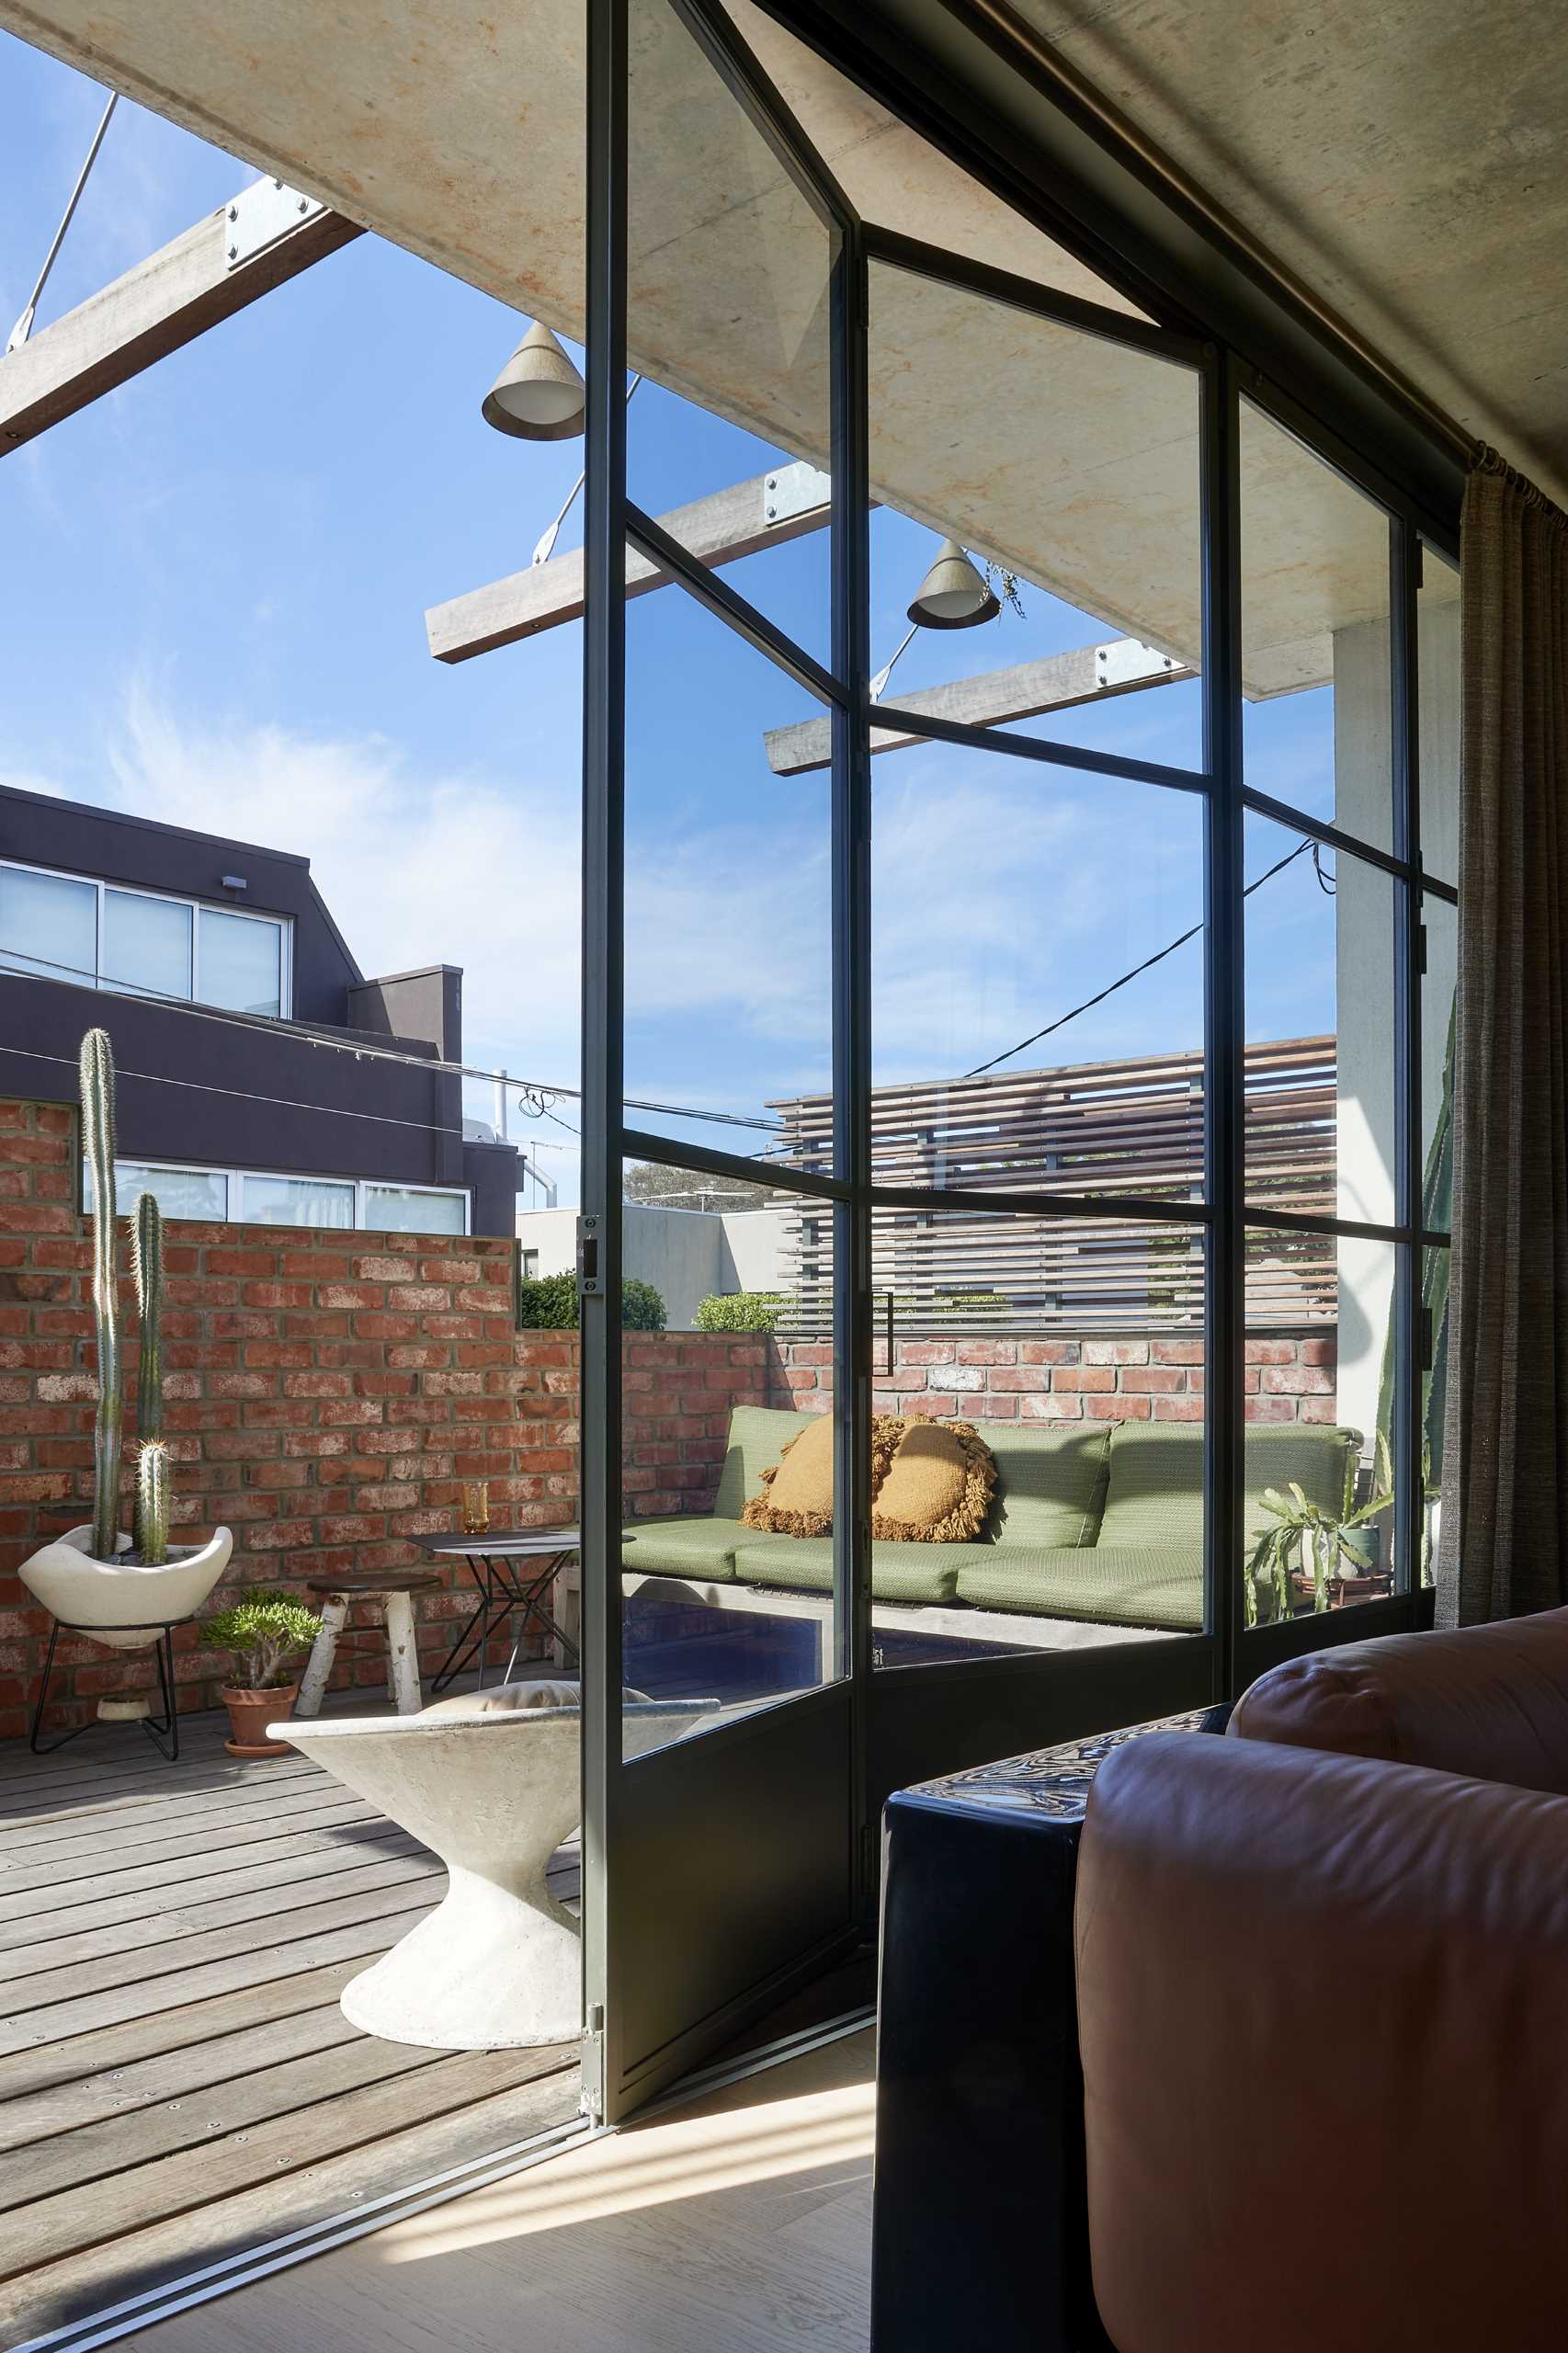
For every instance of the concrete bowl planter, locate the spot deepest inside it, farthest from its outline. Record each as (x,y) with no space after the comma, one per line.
(122,1603)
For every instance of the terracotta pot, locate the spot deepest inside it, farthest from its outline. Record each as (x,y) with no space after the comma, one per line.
(250,1712)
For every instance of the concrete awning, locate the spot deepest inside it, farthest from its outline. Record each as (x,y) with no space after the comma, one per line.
(460,135)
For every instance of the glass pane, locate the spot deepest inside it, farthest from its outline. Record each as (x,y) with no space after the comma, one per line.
(1039,526)
(877,161)
(1036,987)
(1437,681)
(1315,636)
(722,1616)
(296,1201)
(179,1192)
(727,314)
(1440,927)
(728,887)
(1074,1351)
(49,924)
(404,1208)
(241,962)
(1320,1029)
(146,945)
(1320,1416)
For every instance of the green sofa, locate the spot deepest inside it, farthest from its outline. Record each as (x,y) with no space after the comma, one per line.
(1100,1521)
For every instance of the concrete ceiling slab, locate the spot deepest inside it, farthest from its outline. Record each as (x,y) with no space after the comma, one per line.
(460,136)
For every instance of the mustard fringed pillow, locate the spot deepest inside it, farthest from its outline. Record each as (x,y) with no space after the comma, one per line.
(936,1486)
(796,1491)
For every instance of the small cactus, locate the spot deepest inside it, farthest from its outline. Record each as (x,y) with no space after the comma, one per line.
(153,1483)
(98,1141)
(147,1261)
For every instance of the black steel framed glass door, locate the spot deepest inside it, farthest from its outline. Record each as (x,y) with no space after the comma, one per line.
(1057,995)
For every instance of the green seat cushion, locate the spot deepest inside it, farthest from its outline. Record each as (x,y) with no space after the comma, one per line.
(1049,1481)
(908,1573)
(688,1547)
(1313,1454)
(757,1438)
(1158,1586)
(1156,1496)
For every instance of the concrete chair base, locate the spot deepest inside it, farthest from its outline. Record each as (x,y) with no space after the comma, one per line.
(497,1964)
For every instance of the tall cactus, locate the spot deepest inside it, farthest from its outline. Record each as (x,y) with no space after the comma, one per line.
(98,1140)
(147,1261)
(153,1483)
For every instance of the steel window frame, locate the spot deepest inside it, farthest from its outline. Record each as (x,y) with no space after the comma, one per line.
(1226,1656)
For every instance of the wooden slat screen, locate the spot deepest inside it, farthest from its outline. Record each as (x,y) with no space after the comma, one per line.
(1106,1127)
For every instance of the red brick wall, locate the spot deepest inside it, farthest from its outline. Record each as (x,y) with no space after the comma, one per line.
(326,1394)
(1134,1376)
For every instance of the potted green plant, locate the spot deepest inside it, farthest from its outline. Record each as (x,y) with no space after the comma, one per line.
(1314,1554)
(261,1630)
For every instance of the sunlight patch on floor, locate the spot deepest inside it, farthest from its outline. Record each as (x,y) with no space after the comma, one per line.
(653,2164)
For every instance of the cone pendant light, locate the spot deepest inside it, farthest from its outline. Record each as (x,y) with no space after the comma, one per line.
(953,593)
(539,395)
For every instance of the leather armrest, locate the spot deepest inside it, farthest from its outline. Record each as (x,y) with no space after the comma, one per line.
(1324,2017)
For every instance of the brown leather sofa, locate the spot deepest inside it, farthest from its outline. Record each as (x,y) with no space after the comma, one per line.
(1323,1987)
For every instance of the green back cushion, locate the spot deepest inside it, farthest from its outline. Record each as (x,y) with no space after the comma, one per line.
(757,1438)
(1155,1494)
(1049,1481)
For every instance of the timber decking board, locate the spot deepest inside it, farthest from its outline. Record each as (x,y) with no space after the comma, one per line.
(176,2078)
(301,1859)
(166,1933)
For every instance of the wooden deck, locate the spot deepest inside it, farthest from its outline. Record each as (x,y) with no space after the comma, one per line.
(176,2079)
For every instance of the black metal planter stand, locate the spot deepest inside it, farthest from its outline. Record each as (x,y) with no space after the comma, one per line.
(163,1731)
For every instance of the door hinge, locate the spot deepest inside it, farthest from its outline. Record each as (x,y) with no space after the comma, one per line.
(592,2098)
(588,1284)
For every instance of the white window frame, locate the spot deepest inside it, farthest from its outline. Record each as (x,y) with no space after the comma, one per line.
(235,1179)
(283,924)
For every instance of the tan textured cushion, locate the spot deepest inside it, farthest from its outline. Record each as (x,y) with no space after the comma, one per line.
(936,1486)
(796,1491)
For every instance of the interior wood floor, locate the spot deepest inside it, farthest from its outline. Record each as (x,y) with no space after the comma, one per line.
(740,2224)
(176,2079)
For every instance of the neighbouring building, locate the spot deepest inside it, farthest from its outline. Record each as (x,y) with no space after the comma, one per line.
(264,1078)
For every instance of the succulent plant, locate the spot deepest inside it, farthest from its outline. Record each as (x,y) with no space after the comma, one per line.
(263,1629)
(98,1141)
(154,1484)
(147,1262)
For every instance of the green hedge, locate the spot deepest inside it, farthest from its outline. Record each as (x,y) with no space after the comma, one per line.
(742,1310)
(549,1303)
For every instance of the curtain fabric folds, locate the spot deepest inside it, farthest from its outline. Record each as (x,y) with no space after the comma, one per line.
(1504,1550)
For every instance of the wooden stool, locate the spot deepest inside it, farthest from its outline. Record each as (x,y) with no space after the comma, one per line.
(394,1589)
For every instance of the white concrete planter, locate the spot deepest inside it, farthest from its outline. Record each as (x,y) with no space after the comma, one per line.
(120,1603)
(497,1965)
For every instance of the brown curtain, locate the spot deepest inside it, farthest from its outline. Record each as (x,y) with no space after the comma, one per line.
(1505,1529)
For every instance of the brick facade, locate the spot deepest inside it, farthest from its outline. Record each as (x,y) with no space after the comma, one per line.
(1130,1377)
(326,1394)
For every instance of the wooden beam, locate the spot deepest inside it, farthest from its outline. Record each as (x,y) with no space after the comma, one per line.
(166,301)
(717,529)
(1055,682)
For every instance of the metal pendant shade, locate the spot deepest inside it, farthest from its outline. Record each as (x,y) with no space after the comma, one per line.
(539,395)
(953,593)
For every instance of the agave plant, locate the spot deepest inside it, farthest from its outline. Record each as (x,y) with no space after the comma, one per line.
(1325,1540)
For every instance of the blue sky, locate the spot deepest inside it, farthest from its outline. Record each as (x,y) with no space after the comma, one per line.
(215,579)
